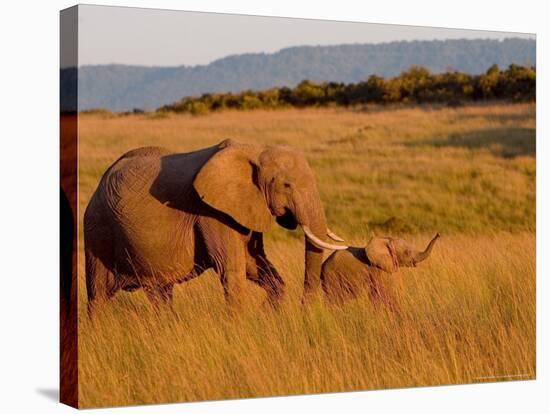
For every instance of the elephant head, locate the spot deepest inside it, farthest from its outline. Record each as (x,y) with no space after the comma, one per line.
(252,184)
(389,254)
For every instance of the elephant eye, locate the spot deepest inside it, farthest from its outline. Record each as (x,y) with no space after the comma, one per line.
(287,185)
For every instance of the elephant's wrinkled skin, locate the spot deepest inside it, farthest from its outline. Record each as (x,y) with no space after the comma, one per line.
(352,272)
(159,218)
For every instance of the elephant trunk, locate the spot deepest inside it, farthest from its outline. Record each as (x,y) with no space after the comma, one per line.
(424,255)
(310,216)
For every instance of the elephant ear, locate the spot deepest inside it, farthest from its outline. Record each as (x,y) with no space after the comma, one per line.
(227,183)
(381,253)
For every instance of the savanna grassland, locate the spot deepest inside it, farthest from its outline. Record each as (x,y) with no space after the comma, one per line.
(467,313)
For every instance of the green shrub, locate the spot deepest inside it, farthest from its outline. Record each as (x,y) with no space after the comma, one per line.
(416,85)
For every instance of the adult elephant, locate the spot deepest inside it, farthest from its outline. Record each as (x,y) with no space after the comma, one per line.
(158,218)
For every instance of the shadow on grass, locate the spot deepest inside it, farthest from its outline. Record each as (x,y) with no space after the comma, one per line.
(393,225)
(503,142)
(501,117)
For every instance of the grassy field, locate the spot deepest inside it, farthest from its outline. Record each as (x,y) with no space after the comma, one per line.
(468,313)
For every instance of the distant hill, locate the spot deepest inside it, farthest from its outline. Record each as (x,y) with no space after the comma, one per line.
(123,87)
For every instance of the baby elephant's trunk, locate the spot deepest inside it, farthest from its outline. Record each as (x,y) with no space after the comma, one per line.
(424,255)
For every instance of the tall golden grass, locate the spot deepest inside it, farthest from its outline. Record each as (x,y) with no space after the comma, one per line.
(467,314)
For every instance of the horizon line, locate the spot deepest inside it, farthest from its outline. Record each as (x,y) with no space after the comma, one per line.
(307,46)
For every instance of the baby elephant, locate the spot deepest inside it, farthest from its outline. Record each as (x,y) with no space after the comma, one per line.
(349,273)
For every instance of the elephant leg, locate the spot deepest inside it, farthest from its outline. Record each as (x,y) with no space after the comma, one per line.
(231,266)
(233,288)
(100,282)
(262,272)
(226,250)
(193,274)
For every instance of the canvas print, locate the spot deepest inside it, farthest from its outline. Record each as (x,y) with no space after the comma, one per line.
(257,206)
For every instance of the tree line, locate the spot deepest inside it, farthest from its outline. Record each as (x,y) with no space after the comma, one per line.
(416,85)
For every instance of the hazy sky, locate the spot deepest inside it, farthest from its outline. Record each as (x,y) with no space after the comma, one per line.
(169,38)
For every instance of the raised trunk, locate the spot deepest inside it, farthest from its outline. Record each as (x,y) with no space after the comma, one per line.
(424,255)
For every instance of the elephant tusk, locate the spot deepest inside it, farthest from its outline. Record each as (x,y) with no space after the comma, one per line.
(320,243)
(333,236)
